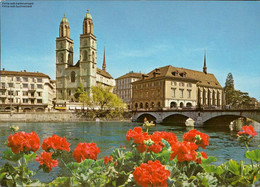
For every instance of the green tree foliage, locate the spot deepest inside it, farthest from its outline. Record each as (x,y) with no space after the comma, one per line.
(79,91)
(235,98)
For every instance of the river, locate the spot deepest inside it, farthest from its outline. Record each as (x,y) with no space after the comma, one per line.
(109,135)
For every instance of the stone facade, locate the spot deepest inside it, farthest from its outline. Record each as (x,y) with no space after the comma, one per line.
(124,88)
(176,88)
(25,91)
(85,71)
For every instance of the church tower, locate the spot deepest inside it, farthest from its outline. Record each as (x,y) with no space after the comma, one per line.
(64,56)
(88,53)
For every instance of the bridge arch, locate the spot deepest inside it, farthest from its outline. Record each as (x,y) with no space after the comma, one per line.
(175,118)
(149,116)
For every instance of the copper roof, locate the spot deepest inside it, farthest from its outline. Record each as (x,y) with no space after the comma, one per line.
(202,79)
(23,73)
(104,73)
(130,75)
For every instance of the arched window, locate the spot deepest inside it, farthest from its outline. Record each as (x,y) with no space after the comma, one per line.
(173,105)
(85,55)
(70,59)
(159,104)
(61,58)
(188,105)
(136,105)
(152,104)
(72,76)
(141,105)
(93,57)
(181,104)
(146,105)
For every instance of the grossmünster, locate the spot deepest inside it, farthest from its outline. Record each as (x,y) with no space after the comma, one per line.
(69,74)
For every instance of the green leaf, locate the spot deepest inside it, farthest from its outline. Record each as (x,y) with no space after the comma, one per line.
(209,160)
(30,157)
(214,169)
(128,155)
(234,167)
(9,155)
(253,155)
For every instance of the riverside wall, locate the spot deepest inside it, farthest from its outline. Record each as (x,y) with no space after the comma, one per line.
(40,117)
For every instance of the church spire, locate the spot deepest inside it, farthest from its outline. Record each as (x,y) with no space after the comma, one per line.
(205,65)
(104,61)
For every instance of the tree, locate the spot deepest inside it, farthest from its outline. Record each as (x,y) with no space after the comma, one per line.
(108,103)
(235,98)
(84,99)
(79,91)
(229,82)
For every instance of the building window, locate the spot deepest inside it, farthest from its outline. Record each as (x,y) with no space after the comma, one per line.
(141,105)
(173,92)
(181,93)
(72,76)
(17,78)
(39,79)
(39,94)
(25,100)
(32,86)
(39,100)
(25,93)
(3,85)
(10,92)
(189,85)
(11,85)
(173,105)
(189,93)
(25,85)
(17,93)
(181,84)
(39,85)
(25,79)
(174,83)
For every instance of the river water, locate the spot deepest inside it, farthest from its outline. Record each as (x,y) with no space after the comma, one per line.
(223,143)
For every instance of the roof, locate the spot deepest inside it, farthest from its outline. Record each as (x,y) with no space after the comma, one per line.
(130,75)
(88,16)
(23,73)
(64,19)
(203,79)
(104,73)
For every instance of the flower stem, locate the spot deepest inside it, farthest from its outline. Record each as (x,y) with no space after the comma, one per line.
(246,144)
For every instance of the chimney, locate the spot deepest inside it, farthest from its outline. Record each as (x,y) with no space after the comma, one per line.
(3,69)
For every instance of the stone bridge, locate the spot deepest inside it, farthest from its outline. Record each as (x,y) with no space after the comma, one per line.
(201,117)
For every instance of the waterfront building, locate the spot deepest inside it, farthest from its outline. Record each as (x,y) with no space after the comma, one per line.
(123,87)
(25,91)
(85,71)
(171,87)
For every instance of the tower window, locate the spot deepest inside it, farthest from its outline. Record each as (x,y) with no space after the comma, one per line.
(72,76)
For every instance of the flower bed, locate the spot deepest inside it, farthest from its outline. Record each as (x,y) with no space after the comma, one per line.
(157,159)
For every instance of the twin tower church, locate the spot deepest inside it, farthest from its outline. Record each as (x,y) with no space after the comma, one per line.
(84,71)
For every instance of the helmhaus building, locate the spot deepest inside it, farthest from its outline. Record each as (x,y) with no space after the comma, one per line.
(177,88)
(85,71)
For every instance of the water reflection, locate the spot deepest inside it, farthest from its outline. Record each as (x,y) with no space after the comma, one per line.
(110,135)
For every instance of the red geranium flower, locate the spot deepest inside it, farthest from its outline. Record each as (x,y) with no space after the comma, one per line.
(151,174)
(22,141)
(185,151)
(56,143)
(45,159)
(85,151)
(169,137)
(137,134)
(197,137)
(203,155)
(108,159)
(248,130)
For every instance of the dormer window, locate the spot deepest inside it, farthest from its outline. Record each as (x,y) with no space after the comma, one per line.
(183,74)
(175,73)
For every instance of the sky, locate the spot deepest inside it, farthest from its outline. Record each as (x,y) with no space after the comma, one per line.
(140,36)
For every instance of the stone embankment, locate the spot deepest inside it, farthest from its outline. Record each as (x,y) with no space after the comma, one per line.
(40,117)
